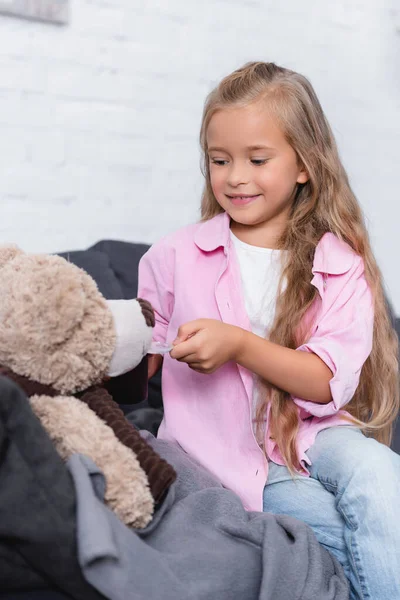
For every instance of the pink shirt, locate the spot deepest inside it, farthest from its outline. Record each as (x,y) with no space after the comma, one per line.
(194,274)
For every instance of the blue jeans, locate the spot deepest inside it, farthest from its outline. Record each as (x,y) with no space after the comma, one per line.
(352,503)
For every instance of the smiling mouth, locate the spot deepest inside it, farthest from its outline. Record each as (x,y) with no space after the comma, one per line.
(242,200)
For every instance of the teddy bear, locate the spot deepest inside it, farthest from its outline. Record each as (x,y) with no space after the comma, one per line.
(60,341)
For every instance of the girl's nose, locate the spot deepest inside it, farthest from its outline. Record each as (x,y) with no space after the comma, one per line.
(237,175)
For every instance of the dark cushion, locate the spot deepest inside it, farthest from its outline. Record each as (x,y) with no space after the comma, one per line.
(124,260)
(98,265)
(396,438)
(42,594)
(396,434)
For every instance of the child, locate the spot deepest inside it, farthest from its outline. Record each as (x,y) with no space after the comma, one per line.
(275,309)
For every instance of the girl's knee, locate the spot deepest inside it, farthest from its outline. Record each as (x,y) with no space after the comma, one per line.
(344,454)
(292,495)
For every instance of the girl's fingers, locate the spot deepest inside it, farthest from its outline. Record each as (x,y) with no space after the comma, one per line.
(187,331)
(189,358)
(182,350)
(196,367)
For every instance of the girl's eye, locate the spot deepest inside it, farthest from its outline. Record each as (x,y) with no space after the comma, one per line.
(219,161)
(259,161)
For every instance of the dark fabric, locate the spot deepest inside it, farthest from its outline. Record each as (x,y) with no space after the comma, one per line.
(144,417)
(154,395)
(37,505)
(98,265)
(201,544)
(396,438)
(397,326)
(40,594)
(396,435)
(131,387)
(124,259)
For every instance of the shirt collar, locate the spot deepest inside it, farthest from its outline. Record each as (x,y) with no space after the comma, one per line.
(213,234)
(332,255)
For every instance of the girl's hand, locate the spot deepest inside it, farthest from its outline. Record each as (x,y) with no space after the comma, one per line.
(206,344)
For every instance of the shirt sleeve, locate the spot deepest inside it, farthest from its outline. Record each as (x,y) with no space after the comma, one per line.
(155,284)
(343,337)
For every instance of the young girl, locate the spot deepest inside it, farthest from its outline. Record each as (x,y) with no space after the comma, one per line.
(275,309)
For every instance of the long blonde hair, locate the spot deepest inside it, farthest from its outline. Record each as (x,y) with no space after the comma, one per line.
(325,203)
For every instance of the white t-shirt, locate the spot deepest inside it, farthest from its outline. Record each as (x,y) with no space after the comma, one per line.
(260,270)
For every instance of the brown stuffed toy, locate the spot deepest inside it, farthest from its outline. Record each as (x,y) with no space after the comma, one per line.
(59,340)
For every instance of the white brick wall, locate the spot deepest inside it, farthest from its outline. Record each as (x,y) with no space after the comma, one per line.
(99,120)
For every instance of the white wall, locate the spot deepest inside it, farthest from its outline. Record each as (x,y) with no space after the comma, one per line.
(99,120)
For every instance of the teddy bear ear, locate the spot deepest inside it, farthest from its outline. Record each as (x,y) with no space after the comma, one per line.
(8,253)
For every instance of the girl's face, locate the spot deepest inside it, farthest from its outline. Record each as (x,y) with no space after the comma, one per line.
(254,172)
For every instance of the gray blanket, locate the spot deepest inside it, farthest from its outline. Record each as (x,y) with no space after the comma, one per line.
(201,544)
